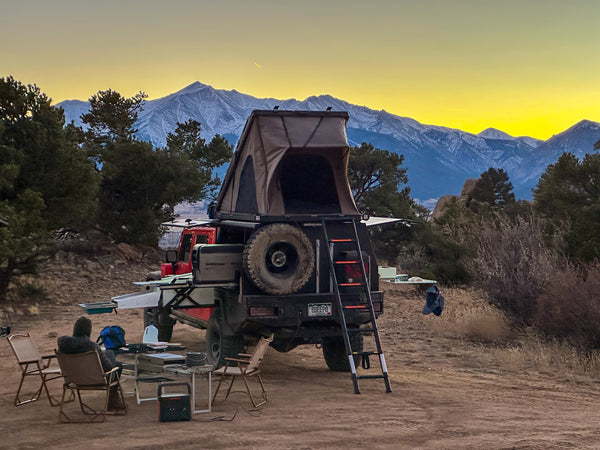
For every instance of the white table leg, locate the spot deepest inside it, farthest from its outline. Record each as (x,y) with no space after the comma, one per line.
(209,409)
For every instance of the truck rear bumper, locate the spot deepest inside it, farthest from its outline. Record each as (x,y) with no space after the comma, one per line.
(309,310)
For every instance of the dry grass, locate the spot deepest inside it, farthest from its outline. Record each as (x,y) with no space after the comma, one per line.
(553,357)
(469,318)
(467,315)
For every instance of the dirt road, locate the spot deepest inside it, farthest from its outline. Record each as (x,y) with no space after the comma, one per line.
(447,393)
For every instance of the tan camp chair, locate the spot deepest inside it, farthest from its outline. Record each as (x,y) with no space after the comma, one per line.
(83,372)
(32,364)
(245,366)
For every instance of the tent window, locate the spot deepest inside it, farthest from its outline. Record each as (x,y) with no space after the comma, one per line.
(308,185)
(246,199)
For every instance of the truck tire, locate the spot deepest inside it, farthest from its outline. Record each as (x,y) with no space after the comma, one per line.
(334,352)
(165,332)
(148,316)
(278,259)
(163,322)
(218,346)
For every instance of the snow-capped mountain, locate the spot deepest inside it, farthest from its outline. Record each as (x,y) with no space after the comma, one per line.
(438,159)
(493,133)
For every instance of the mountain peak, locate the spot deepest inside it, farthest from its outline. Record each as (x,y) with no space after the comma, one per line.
(585,124)
(493,133)
(195,86)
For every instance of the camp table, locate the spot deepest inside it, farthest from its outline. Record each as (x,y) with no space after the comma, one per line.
(160,353)
(181,369)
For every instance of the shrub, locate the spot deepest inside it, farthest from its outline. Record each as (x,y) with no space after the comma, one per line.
(412,259)
(568,308)
(441,257)
(513,264)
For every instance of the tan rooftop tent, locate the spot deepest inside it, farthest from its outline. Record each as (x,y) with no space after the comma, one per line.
(288,163)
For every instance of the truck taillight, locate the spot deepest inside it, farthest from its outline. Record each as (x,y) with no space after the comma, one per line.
(263,311)
(352,272)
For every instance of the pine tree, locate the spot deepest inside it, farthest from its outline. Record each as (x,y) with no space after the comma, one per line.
(46,179)
(141,185)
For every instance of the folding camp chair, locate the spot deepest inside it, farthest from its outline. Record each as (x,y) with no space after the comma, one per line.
(245,366)
(32,364)
(83,372)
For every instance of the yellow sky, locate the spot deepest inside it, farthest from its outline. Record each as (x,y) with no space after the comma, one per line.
(527,67)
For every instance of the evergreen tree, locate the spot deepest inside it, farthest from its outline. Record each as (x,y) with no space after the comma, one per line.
(140,185)
(568,192)
(494,188)
(46,179)
(376,177)
(111,117)
(199,159)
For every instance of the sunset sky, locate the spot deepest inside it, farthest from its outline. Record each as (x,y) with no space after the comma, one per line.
(527,67)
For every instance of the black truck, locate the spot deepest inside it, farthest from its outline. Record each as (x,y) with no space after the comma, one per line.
(263,261)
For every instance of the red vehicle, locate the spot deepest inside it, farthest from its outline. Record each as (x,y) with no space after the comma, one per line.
(180,261)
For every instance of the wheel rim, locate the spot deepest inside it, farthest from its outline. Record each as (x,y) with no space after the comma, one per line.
(281,258)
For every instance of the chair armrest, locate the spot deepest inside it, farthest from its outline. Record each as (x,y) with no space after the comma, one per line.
(29,361)
(112,374)
(48,359)
(237,360)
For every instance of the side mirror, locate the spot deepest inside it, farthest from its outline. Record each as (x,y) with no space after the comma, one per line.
(171,256)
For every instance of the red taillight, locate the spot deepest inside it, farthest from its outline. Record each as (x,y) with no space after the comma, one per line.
(352,272)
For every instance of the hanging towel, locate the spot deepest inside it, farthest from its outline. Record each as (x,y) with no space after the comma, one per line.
(434,302)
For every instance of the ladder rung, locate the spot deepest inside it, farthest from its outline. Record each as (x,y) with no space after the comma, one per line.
(351,284)
(356,307)
(361,330)
(341,240)
(374,352)
(363,377)
(346,262)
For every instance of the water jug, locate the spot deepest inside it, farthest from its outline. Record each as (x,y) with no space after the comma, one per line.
(150,334)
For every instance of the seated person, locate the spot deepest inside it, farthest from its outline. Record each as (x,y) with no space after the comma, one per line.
(80,342)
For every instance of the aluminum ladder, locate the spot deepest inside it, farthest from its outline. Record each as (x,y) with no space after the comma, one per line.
(364,285)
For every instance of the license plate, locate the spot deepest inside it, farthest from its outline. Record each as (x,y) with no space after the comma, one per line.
(319,309)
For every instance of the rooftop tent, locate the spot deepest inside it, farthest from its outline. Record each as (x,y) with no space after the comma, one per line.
(289,163)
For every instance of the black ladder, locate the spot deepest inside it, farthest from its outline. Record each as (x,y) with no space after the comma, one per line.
(364,284)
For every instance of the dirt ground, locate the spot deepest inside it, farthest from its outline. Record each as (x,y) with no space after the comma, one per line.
(447,392)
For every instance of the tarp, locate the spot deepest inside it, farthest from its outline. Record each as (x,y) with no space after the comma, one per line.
(289,163)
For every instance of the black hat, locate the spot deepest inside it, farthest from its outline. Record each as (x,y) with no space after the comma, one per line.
(82,327)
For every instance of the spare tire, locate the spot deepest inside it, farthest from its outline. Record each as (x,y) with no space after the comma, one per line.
(279,258)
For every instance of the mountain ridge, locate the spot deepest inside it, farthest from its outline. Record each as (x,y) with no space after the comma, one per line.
(438,159)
